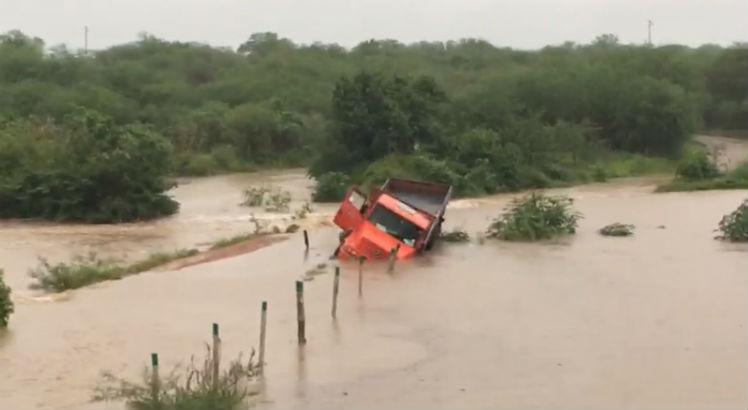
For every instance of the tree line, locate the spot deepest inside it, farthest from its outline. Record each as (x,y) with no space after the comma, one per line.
(466,112)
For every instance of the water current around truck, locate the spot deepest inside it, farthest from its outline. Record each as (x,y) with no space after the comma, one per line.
(657,320)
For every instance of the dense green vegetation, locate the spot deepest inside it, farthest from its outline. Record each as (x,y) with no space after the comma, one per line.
(6,305)
(83,169)
(535,217)
(734,226)
(481,117)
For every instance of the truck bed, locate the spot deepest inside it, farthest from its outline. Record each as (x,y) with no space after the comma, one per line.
(431,198)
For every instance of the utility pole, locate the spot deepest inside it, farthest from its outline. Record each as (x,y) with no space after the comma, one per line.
(85,40)
(649,31)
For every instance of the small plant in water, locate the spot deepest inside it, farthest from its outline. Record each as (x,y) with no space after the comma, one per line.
(734,226)
(304,211)
(535,217)
(6,305)
(255,196)
(272,199)
(184,388)
(617,229)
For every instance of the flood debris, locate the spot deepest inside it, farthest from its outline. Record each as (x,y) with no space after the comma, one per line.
(455,235)
(617,229)
(293,228)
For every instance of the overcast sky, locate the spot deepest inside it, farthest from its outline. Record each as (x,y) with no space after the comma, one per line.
(516,23)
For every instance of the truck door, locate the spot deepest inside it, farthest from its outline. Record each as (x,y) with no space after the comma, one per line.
(349,215)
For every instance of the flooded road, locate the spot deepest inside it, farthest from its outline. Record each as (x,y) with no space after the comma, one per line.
(658,320)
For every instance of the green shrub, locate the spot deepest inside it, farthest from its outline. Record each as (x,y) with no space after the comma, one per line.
(535,217)
(82,271)
(696,166)
(278,201)
(159,258)
(617,229)
(184,388)
(331,187)
(6,304)
(223,243)
(734,226)
(273,199)
(89,269)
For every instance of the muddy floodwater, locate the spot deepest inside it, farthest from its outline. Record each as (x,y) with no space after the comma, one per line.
(657,320)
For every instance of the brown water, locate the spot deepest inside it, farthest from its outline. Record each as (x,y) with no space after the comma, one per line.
(653,321)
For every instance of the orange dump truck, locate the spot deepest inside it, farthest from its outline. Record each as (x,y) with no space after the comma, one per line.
(402,216)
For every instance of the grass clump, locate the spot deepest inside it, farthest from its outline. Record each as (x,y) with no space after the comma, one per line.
(159,258)
(185,388)
(535,217)
(6,304)
(89,269)
(617,229)
(455,236)
(734,226)
(226,242)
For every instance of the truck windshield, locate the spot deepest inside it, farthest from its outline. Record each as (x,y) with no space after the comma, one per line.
(393,224)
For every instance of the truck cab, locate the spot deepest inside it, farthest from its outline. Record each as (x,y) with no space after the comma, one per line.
(403,216)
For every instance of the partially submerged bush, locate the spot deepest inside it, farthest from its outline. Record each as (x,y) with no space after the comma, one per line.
(85,270)
(697,165)
(455,236)
(184,388)
(734,226)
(331,187)
(535,217)
(617,229)
(6,305)
(304,211)
(82,271)
(255,196)
(273,199)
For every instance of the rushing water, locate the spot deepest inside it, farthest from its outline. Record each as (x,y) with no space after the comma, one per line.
(657,320)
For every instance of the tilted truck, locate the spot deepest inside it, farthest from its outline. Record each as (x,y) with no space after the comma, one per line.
(402,216)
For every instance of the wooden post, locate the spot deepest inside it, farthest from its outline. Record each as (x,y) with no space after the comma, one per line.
(306,239)
(300,312)
(360,275)
(393,257)
(335,285)
(216,355)
(155,380)
(263,326)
